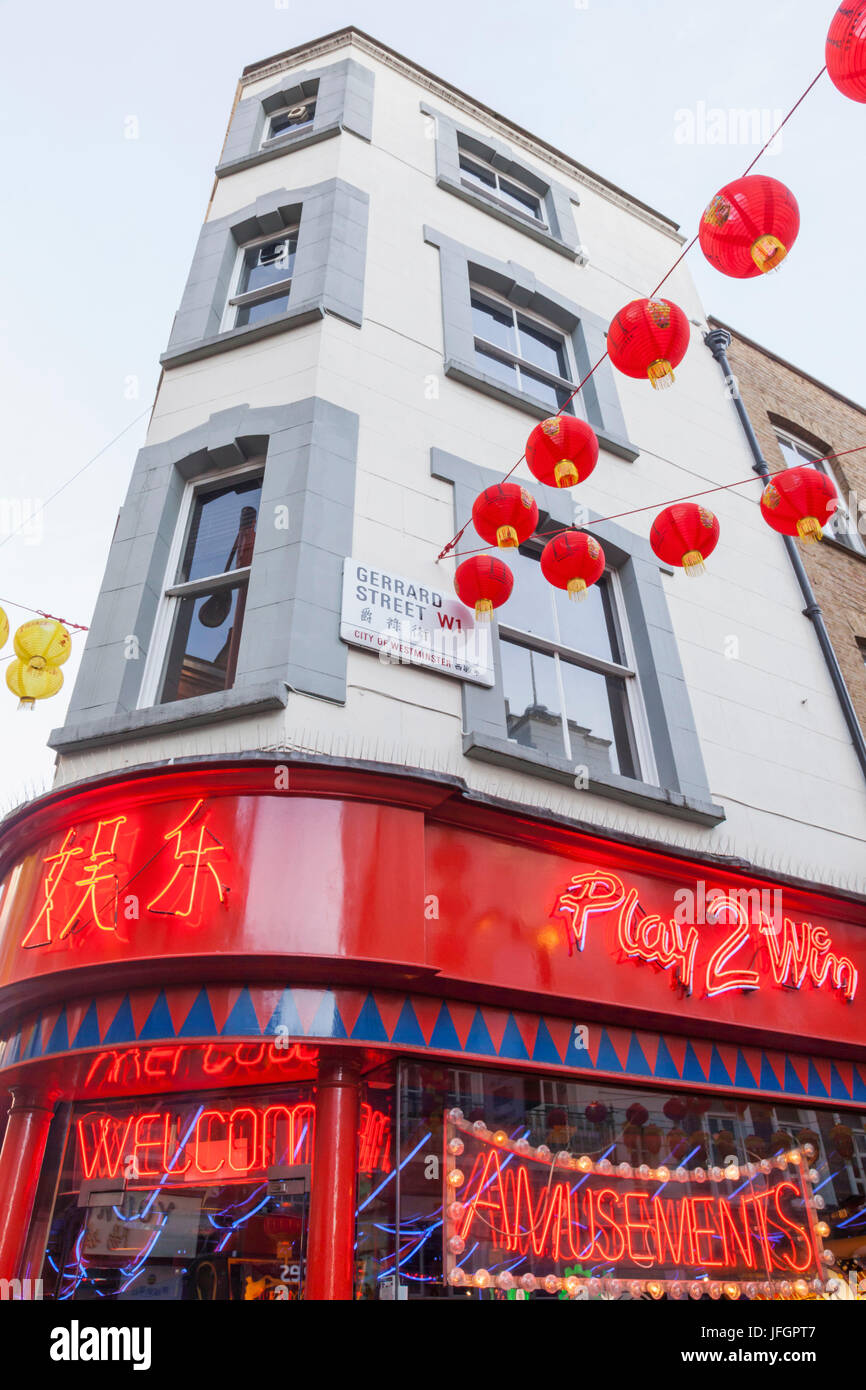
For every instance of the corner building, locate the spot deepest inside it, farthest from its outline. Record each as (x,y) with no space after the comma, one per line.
(361,953)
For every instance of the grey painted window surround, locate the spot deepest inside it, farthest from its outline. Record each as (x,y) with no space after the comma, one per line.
(343,93)
(291,630)
(683,790)
(461,265)
(556,200)
(328,276)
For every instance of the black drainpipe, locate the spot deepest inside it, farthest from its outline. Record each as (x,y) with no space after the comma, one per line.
(718,340)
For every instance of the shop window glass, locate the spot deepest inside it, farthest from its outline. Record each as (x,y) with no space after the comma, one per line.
(624,1193)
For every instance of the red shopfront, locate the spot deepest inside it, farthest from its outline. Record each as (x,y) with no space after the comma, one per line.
(310,1032)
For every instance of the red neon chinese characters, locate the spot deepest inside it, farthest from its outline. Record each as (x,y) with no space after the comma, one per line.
(195,843)
(71,887)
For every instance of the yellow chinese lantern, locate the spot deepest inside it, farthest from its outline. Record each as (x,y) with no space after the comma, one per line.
(4,628)
(41,647)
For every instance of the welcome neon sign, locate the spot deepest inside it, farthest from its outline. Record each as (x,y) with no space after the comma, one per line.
(223,1144)
(751,955)
(523,1214)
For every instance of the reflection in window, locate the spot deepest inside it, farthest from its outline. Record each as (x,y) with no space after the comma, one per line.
(292,118)
(501,188)
(620,1125)
(265,280)
(564,677)
(524,352)
(208,599)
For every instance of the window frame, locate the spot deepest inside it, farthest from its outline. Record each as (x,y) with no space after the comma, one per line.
(642,750)
(523,364)
(268,140)
(172,593)
(238,299)
(463,270)
(556,230)
(852,540)
(538,220)
(668,742)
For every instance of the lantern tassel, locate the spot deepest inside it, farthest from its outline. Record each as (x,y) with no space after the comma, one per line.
(768,253)
(693,563)
(483,610)
(507,537)
(577,590)
(809,529)
(661,374)
(566,474)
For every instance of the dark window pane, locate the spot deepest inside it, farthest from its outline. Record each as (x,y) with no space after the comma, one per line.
(203,651)
(589,626)
(552,396)
(222,531)
(496,325)
(519,198)
(542,349)
(532,705)
(598,720)
(478,172)
(268,265)
(493,366)
(265,309)
(284,120)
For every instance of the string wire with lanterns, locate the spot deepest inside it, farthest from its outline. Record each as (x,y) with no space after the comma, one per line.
(809,532)
(747,229)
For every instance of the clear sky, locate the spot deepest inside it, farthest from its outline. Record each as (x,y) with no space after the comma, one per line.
(98,228)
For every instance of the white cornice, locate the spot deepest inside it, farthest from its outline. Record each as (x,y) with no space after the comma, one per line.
(320,48)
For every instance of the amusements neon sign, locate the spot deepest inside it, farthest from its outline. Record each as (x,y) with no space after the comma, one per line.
(786,954)
(527,1218)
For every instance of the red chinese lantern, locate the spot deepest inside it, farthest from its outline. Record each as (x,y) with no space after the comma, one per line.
(843,1141)
(483,583)
(677,1143)
(505,514)
(572,561)
(845,52)
(637,1114)
(684,535)
(596,1113)
(749,227)
(675,1108)
(562,451)
(652,1140)
(700,1142)
(799,502)
(756,1147)
(649,337)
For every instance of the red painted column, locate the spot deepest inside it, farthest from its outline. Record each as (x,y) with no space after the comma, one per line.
(24,1143)
(331,1239)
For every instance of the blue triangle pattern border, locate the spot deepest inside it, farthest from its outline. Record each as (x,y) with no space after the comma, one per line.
(532,1043)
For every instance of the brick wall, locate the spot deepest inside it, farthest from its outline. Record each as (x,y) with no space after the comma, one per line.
(773,390)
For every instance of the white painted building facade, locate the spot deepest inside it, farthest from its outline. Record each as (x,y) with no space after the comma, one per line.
(734,743)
